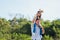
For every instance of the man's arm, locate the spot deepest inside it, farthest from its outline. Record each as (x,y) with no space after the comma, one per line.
(43,31)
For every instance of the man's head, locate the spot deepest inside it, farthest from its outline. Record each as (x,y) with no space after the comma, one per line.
(37,21)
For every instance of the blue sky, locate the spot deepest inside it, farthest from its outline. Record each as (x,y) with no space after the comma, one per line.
(29,8)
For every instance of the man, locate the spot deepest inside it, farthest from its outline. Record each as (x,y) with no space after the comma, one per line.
(37,29)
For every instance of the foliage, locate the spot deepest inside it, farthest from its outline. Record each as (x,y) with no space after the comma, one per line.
(20,29)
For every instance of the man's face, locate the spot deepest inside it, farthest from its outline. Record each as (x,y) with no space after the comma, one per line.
(37,22)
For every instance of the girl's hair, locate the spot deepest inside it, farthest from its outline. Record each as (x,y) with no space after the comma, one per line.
(39,12)
(37,19)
